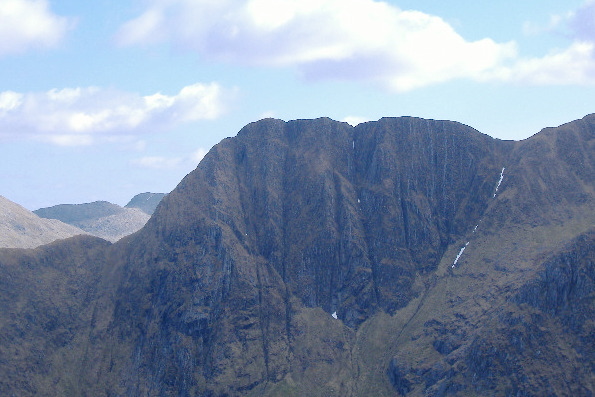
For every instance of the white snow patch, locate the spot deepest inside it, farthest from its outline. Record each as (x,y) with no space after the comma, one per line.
(500,181)
(475,228)
(358,201)
(459,255)
(334,315)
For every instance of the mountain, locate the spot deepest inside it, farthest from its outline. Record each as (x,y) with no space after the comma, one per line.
(20,228)
(398,257)
(104,219)
(147,202)
(79,213)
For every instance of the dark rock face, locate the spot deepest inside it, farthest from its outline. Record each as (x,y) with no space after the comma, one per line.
(345,215)
(450,260)
(395,374)
(48,299)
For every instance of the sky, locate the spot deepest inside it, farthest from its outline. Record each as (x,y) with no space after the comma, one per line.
(104,99)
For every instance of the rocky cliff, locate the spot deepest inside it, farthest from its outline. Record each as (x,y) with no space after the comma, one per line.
(403,256)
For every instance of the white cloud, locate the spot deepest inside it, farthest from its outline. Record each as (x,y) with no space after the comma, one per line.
(169,163)
(582,22)
(198,155)
(269,114)
(157,162)
(355,120)
(10,100)
(350,39)
(367,40)
(26,24)
(572,66)
(577,24)
(531,28)
(77,116)
(71,139)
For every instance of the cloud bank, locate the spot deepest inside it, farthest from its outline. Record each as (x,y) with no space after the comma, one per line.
(582,22)
(364,40)
(81,116)
(27,24)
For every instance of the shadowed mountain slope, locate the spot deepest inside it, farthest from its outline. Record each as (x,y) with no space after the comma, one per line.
(454,263)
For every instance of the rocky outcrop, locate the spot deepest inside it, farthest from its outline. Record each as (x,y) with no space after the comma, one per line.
(400,257)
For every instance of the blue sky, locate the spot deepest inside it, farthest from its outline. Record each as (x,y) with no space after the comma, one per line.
(104,99)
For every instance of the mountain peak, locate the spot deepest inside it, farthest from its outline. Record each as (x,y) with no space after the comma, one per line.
(309,257)
(147,202)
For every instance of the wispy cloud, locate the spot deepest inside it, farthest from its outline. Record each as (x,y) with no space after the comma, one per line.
(26,24)
(338,39)
(574,65)
(582,22)
(157,162)
(169,163)
(365,40)
(79,116)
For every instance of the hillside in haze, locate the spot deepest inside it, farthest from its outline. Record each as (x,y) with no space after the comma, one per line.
(20,228)
(147,202)
(104,219)
(398,257)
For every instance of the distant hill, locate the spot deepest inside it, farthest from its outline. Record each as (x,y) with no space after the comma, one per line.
(104,219)
(77,214)
(21,228)
(147,202)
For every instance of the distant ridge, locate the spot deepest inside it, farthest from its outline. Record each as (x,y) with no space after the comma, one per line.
(21,228)
(104,219)
(147,202)
(79,214)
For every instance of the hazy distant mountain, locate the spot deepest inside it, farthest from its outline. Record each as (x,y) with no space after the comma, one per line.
(76,214)
(114,227)
(146,202)
(100,218)
(311,258)
(20,228)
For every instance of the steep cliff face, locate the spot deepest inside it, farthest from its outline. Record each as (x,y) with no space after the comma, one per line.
(510,317)
(403,256)
(331,208)
(48,300)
